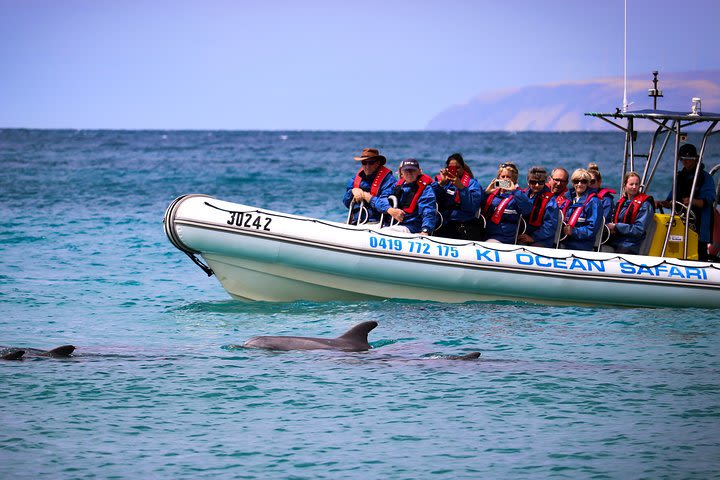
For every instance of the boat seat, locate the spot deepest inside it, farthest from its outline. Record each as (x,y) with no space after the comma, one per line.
(648,240)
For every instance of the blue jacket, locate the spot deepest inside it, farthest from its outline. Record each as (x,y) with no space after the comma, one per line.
(386,188)
(629,236)
(544,235)
(507,228)
(471,198)
(585,230)
(425,214)
(705,190)
(607,202)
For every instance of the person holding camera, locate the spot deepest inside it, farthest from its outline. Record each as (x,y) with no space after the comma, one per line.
(459,198)
(504,205)
(373,181)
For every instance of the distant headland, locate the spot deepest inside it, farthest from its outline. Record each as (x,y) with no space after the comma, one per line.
(561,106)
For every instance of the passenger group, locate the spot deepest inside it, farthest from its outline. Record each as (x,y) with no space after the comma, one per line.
(545,213)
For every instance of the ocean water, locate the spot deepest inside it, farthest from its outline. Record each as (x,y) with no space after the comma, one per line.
(157,389)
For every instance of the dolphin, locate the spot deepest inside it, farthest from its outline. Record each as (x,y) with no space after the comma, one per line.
(469,356)
(354,340)
(18,353)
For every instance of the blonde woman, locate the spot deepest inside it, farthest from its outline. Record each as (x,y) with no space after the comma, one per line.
(504,205)
(584,214)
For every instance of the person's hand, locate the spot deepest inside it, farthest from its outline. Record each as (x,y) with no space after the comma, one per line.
(457,182)
(423,234)
(491,185)
(396,213)
(358,194)
(611,227)
(567,230)
(525,239)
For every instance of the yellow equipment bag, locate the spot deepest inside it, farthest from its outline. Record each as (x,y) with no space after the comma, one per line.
(676,244)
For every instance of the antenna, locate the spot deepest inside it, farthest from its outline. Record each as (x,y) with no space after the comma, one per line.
(654,92)
(625,101)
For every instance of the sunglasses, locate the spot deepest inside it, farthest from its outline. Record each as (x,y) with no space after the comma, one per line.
(368,162)
(558,180)
(508,165)
(593,182)
(581,180)
(534,182)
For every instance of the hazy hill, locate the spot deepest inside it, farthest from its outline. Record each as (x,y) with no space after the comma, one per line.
(561,106)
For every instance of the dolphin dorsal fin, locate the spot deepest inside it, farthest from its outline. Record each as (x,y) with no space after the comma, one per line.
(63,351)
(13,355)
(360,331)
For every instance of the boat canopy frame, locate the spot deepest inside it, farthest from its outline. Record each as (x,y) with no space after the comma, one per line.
(673,125)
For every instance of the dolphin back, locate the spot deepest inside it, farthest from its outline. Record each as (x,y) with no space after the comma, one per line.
(354,340)
(17,353)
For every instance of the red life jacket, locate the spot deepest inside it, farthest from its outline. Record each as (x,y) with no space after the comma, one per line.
(422,182)
(633,209)
(496,217)
(578,211)
(539,205)
(563,202)
(465,180)
(605,191)
(375,186)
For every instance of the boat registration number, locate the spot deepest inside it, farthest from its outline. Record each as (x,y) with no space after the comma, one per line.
(250,220)
(413,246)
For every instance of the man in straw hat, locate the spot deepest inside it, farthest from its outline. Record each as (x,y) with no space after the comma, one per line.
(373,181)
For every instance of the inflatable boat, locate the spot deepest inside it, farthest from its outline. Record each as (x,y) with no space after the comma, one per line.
(259,254)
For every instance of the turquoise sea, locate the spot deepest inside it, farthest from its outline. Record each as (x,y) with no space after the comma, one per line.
(157,390)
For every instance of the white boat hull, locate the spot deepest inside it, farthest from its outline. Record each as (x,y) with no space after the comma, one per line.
(259,254)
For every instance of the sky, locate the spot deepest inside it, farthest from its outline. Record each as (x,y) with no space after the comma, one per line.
(319,65)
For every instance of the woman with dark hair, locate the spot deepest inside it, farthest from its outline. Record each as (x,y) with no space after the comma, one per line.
(459,198)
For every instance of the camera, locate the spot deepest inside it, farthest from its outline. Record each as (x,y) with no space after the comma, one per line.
(504,184)
(452,170)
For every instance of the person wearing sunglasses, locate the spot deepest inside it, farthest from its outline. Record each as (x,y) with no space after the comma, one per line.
(631,218)
(416,210)
(542,220)
(373,181)
(604,194)
(504,205)
(703,198)
(584,214)
(558,183)
(459,197)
